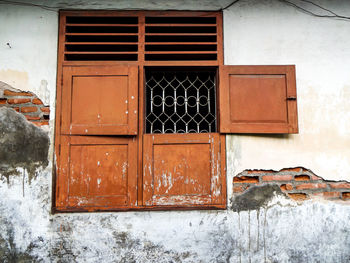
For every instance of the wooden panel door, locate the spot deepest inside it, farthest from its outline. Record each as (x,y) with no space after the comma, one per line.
(258,99)
(98,100)
(97,173)
(182,170)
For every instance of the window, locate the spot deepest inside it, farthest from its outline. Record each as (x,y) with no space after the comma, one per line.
(143,102)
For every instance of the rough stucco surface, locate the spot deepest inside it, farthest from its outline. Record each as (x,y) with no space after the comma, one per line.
(279,231)
(273,229)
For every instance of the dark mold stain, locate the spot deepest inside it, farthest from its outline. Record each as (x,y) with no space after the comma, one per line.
(255,198)
(9,253)
(22,144)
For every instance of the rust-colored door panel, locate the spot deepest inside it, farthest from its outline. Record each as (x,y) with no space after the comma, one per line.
(258,99)
(100,100)
(182,170)
(97,173)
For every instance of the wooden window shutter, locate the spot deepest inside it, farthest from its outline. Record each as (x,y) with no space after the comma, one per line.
(96,173)
(258,99)
(183,170)
(100,100)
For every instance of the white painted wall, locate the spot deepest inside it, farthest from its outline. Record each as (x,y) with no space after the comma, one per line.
(272,33)
(256,32)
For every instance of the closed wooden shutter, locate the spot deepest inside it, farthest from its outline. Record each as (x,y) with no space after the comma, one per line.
(100,100)
(96,173)
(183,170)
(258,99)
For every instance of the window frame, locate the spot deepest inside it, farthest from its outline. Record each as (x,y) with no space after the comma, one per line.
(141,63)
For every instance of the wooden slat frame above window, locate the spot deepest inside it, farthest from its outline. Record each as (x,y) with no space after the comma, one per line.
(153,37)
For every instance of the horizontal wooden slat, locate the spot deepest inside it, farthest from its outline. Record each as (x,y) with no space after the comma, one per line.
(180,52)
(180,43)
(91,53)
(107,25)
(180,34)
(102,43)
(180,25)
(101,34)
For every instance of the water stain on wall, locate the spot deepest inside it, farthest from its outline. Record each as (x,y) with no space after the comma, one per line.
(22,144)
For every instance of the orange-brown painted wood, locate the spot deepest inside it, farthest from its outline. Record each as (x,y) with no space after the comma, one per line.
(100,100)
(97,172)
(258,99)
(182,169)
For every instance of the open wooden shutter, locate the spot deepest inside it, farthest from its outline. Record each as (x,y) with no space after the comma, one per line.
(100,100)
(258,99)
(183,170)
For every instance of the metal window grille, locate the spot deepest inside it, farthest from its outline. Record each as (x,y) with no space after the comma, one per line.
(180,101)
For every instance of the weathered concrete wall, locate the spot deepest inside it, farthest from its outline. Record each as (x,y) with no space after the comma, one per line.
(276,229)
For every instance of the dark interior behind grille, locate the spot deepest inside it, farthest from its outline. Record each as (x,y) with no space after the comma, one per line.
(180,100)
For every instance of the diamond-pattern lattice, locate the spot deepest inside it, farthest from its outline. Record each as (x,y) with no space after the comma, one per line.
(180,102)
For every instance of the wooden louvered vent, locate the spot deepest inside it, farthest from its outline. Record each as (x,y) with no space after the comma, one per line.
(180,38)
(104,38)
(141,36)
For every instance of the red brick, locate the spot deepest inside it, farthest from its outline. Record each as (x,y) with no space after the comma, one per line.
(30,118)
(331,194)
(45,109)
(298,196)
(286,187)
(37,101)
(302,177)
(3,101)
(315,177)
(310,186)
(246,179)
(17,101)
(238,189)
(16,109)
(259,171)
(13,93)
(277,177)
(29,109)
(40,123)
(340,185)
(346,195)
(296,169)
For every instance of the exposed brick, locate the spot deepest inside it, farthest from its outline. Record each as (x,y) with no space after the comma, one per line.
(302,177)
(16,109)
(40,123)
(296,169)
(278,177)
(29,109)
(346,195)
(286,187)
(45,109)
(3,101)
(246,179)
(17,101)
(259,171)
(331,194)
(13,93)
(315,177)
(339,185)
(37,101)
(310,186)
(30,118)
(238,189)
(298,196)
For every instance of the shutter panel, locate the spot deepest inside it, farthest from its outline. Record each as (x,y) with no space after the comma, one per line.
(100,100)
(183,170)
(96,173)
(258,99)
